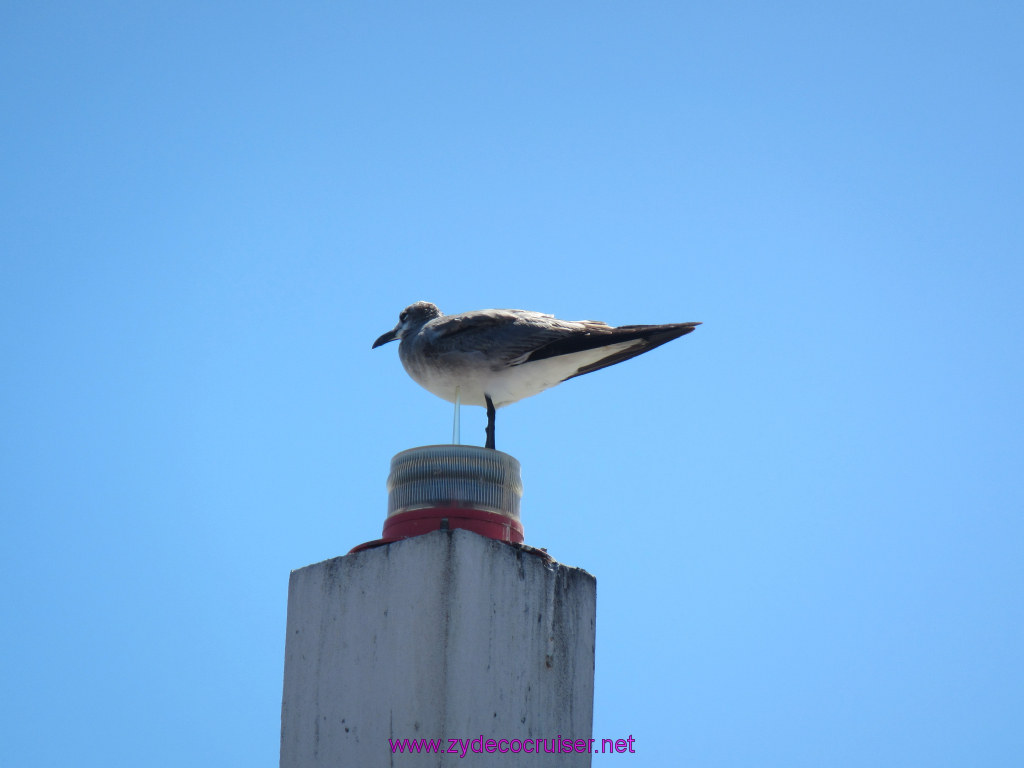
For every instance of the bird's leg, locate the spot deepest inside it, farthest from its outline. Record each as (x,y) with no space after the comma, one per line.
(490,422)
(456,430)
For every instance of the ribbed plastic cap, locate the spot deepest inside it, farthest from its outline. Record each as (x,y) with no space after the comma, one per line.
(455,477)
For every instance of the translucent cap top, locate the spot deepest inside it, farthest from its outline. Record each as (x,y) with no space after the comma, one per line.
(457,477)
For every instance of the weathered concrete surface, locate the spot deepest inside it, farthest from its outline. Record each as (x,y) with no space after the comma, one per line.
(449,635)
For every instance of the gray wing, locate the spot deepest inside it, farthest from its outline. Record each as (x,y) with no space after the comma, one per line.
(503,336)
(515,337)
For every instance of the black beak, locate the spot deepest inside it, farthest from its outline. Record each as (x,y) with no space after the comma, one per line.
(389,336)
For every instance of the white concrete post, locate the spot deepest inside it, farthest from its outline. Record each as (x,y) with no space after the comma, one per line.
(445,636)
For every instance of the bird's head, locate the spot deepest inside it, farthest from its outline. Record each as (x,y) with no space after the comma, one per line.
(411,319)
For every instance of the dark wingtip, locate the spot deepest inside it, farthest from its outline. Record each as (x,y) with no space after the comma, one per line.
(660,334)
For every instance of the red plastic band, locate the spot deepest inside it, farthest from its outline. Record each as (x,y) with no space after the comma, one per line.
(420,521)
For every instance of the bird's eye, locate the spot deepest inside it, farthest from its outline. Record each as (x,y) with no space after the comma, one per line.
(401,317)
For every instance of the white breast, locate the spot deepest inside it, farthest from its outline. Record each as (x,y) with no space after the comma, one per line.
(475,377)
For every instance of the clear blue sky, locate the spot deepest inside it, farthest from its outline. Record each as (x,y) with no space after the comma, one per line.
(806,518)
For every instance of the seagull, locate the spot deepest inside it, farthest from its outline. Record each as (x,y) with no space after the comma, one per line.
(494,357)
